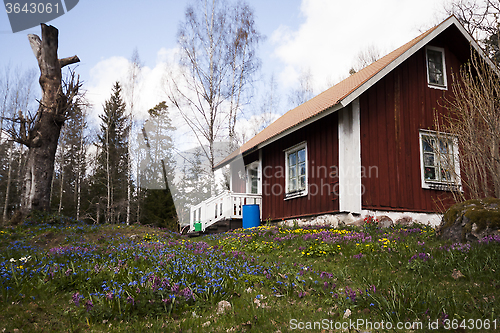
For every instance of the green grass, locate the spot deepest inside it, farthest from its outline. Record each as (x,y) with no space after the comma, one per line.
(62,275)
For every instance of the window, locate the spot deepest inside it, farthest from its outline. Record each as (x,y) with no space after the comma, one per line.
(436,67)
(253,178)
(439,160)
(296,171)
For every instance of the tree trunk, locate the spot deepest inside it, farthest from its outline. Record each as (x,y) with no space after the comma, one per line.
(61,189)
(43,136)
(108,177)
(9,180)
(79,177)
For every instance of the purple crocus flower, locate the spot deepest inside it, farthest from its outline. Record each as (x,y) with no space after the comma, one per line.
(89,305)
(76,298)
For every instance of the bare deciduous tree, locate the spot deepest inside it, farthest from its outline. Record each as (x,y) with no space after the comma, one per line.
(40,132)
(364,58)
(217,44)
(16,93)
(131,92)
(304,91)
(474,120)
(481,19)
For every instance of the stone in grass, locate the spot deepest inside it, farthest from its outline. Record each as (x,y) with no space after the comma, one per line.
(471,220)
(456,274)
(223,306)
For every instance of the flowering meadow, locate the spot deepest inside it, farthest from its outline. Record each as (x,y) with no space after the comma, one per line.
(58,274)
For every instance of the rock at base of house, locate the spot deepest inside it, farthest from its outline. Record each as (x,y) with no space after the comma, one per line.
(329,220)
(471,220)
(385,221)
(405,221)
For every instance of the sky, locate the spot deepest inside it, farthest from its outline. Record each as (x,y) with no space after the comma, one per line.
(321,37)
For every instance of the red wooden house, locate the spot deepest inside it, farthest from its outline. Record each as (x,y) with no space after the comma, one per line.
(366,146)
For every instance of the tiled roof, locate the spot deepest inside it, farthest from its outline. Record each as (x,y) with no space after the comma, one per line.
(326,99)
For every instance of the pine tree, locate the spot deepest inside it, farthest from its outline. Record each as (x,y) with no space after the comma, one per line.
(110,179)
(157,174)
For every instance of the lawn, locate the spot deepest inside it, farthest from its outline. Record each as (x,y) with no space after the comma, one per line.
(59,274)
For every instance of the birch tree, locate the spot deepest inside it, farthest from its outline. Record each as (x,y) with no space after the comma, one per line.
(16,93)
(218,41)
(131,88)
(304,91)
(72,164)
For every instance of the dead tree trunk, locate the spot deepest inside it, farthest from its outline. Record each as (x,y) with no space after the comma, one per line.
(42,133)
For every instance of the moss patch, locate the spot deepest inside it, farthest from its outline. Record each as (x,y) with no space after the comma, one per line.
(484,213)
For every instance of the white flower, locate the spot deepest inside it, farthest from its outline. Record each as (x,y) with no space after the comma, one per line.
(347,313)
(12,260)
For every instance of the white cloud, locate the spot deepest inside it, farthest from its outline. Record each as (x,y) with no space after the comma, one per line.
(150,90)
(334,32)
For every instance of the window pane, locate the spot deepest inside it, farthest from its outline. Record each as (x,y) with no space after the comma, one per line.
(254,186)
(302,169)
(293,185)
(292,172)
(427,144)
(444,146)
(447,168)
(445,175)
(252,173)
(435,65)
(302,182)
(302,155)
(430,173)
(428,159)
(292,159)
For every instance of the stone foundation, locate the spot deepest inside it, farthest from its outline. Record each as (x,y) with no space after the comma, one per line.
(386,219)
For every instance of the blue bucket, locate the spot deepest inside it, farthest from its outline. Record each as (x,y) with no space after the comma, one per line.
(251,216)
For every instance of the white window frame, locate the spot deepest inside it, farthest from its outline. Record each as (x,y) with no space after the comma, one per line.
(445,81)
(454,183)
(299,192)
(255,166)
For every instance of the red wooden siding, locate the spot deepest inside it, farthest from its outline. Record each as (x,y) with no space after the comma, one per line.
(322,154)
(392,113)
